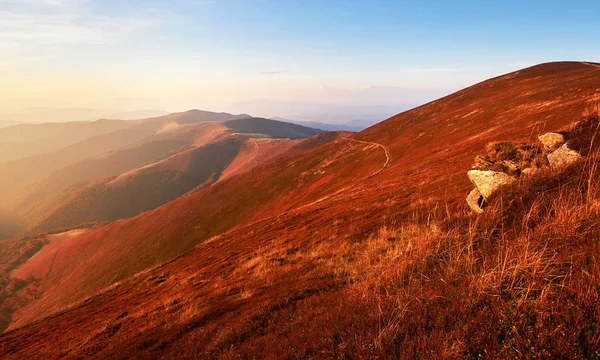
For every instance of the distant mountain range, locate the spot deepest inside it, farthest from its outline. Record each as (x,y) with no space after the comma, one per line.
(325,126)
(346,118)
(326,116)
(62,174)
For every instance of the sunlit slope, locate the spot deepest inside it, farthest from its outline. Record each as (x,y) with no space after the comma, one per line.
(128,181)
(285,280)
(22,174)
(112,253)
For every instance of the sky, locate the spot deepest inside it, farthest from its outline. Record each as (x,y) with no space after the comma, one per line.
(222,54)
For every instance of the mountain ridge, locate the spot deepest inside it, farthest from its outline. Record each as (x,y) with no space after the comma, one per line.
(271,255)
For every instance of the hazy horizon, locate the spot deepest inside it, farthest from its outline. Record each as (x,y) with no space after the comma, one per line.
(215,54)
(357,179)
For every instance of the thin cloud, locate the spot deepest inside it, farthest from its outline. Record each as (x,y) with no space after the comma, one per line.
(44,28)
(436,70)
(277,72)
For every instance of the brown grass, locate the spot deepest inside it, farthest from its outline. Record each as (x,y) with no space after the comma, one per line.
(519,281)
(510,157)
(522,280)
(582,136)
(359,276)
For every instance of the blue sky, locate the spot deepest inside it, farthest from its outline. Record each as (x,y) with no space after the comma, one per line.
(202,53)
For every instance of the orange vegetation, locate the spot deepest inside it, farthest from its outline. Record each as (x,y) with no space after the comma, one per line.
(351,249)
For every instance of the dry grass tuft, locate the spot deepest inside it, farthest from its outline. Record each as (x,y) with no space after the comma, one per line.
(510,158)
(520,281)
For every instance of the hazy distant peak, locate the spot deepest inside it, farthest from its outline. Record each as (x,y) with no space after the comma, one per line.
(195,115)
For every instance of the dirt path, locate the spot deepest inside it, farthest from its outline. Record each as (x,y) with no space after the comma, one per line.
(51,265)
(329,196)
(388,158)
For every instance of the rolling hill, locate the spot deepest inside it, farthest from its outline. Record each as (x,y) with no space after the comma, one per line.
(361,245)
(23,176)
(188,150)
(150,186)
(23,172)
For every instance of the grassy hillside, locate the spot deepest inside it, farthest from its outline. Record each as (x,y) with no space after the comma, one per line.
(129,181)
(152,186)
(103,256)
(22,174)
(14,253)
(363,247)
(108,165)
(445,286)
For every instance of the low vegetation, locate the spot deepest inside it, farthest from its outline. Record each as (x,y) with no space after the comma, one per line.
(522,280)
(13,253)
(312,257)
(510,158)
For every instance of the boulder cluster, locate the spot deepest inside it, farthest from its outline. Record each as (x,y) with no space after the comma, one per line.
(505,162)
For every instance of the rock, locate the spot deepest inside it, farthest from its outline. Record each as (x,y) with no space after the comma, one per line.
(487,181)
(476,201)
(562,157)
(552,141)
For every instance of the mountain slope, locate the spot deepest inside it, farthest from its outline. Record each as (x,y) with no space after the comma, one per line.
(299,244)
(128,181)
(272,128)
(23,173)
(143,189)
(197,216)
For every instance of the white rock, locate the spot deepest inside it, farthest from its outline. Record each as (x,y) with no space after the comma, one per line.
(475,201)
(487,181)
(552,141)
(563,157)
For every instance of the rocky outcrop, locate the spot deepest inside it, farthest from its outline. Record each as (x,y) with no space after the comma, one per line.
(563,157)
(505,162)
(476,201)
(487,181)
(552,141)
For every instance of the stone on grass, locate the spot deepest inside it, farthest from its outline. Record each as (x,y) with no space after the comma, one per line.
(487,181)
(552,141)
(476,201)
(563,157)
